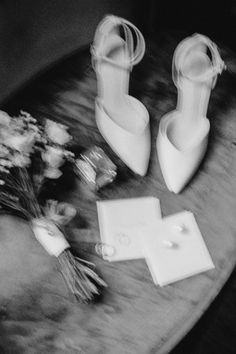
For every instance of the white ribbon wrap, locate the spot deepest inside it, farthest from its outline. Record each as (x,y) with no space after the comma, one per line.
(50,237)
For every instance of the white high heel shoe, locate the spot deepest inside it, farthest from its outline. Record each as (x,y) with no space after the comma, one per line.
(122,120)
(183,133)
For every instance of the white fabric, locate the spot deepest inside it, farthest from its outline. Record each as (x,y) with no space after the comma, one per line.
(172,254)
(49,236)
(118,217)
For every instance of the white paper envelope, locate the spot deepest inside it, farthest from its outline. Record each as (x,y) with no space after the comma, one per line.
(174,248)
(116,220)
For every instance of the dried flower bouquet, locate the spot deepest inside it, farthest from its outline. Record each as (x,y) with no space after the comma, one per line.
(22,142)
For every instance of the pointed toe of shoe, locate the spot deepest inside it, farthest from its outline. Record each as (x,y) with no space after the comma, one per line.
(138,166)
(132,148)
(176,185)
(178,166)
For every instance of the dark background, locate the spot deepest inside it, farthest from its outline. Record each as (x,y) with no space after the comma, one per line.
(216,19)
(35,34)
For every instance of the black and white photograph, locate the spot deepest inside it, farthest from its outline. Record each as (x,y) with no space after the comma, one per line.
(117,177)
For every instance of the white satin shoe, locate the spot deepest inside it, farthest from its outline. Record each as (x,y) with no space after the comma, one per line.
(183,133)
(122,120)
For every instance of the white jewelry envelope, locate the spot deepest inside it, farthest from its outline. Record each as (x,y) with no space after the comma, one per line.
(117,220)
(174,248)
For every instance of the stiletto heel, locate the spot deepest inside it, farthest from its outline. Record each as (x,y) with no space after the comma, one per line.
(183,133)
(122,120)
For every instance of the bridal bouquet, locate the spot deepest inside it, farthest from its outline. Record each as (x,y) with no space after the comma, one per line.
(29,154)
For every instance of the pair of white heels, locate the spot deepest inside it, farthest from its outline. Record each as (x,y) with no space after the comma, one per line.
(123,120)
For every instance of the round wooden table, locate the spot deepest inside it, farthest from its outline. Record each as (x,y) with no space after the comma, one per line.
(134,316)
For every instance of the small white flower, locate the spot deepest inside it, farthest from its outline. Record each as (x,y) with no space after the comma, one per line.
(57,133)
(4,152)
(52,173)
(69,154)
(59,213)
(27,117)
(20,160)
(21,142)
(4,169)
(6,163)
(53,156)
(4,118)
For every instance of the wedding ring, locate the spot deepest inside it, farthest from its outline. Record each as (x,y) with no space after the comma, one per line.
(180,228)
(104,250)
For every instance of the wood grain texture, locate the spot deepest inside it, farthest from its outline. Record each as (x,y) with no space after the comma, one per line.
(134,316)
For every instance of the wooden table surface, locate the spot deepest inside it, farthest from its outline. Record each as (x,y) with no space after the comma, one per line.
(134,316)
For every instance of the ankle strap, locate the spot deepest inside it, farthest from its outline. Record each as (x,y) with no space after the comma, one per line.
(104,29)
(190,44)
